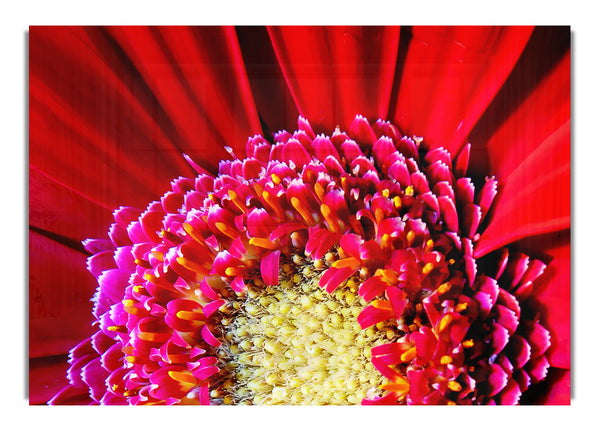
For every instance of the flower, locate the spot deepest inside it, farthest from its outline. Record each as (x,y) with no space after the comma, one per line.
(454,292)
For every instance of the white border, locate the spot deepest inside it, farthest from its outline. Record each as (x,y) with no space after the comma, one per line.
(15,22)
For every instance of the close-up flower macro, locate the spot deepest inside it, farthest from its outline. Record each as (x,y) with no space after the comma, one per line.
(299,215)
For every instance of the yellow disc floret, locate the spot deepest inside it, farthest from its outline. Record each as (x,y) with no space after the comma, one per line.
(295,344)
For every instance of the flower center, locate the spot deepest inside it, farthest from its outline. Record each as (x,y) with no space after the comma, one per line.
(296,344)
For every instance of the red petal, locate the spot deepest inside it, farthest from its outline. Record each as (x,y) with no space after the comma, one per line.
(335,73)
(450,76)
(59,293)
(271,94)
(121,154)
(536,197)
(211,107)
(555,297)
(544,111)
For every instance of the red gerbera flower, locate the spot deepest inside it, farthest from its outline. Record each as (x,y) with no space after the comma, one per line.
(347,256)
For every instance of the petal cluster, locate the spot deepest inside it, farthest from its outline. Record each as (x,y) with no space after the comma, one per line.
(368,204)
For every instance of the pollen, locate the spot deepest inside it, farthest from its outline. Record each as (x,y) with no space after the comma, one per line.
(303,347)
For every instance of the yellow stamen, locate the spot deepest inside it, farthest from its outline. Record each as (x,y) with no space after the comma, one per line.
(332,222)
(386,240)
(294,343)
(388,275)
(382,304)
(157,255)
(320,191)
(409,191)
(397,202)
(401,387)
(272,202)
(235,198)
(191,232)
(445,322)
(467,344)
(427,268)
(191,315)
(227,230)
(186,380)
(409,354)
(428,245)
(276,180)
(264,243)
(444,288)
(453,385)
(461,307)
(153,336)
(302,210)
(347,262)
(445,360)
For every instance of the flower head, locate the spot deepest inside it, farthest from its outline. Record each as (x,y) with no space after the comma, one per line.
(361,263)
(318,269)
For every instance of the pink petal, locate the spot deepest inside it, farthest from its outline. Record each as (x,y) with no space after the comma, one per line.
(269,268)
(209,337)
(333,277)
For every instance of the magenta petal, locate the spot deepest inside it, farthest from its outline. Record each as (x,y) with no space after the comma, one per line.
(372,287)
(388,353)
(384,369)
(350,243)
(507,318)
(333,277)
(465,191)
(538,368)
(209,337)
(97,245)
(124,258)
(361,131)
(399,171)
(511,394)
(471,217)
(323,148)
(519,351)
(461,162)
(387,400)
(238,284)
(204,373)
(269,268)
(211,307)
(351,150)
(497,379)
(100,262)
(398,299)
(539,339)
(499,338)
(113,283)
(94,376)
(382,149)
(372,315)
(294,151)
(449,214)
